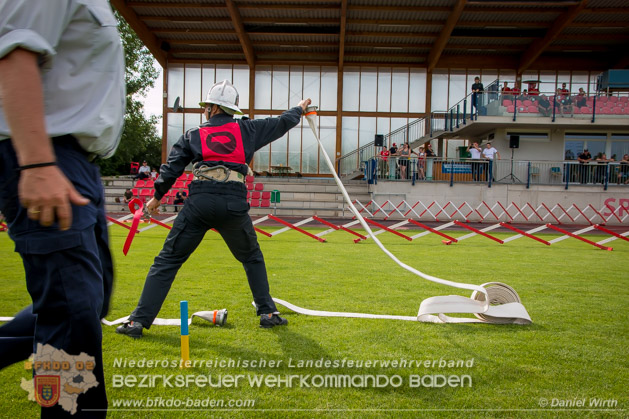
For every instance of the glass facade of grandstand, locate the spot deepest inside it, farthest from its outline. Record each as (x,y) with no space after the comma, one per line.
(392,101)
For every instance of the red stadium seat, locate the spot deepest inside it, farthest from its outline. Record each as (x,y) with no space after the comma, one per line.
(507,102)
(623,99)
(255,203)
(259,186)
(179,184)
(532,109)
(249,186)
(255,195)
(190,177)
(625,111)
(149,184)
(602,99)
(248,195)
(265,203)
(523,109)
(585,109)
(617,110)
(134,191)
(510,108)
(577,110)
(606,111)
(250,179)
(527,103)
(183,177)
(613,99)
(140,183)
(147,192)
(266,195)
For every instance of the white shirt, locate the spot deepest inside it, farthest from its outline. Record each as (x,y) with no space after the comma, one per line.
(475,153)
(489,152)
(81,63)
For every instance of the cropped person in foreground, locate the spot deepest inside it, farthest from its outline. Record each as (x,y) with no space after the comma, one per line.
(219,150)
(63,99)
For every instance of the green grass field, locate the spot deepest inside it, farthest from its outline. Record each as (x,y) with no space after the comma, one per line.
(575,352)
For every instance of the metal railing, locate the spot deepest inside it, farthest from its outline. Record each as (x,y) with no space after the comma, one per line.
(354,160)
(504,171)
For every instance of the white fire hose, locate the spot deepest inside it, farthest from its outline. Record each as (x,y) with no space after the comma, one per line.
(492,302)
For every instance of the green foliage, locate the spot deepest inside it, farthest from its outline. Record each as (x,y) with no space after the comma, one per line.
(576,347)
(139,139)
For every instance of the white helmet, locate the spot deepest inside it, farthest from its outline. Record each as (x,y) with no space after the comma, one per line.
(225,95)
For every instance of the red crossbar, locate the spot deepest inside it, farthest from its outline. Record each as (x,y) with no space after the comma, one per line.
(574,236)
(492,213)
(442,210)
(551,213)
(262,232)
(505,210)
(289,225)
(335,227)
(432,230)
(524,233)
(535,212)
(566,212)
(159,223)
(482,233)
(397,233)
(412,208)
(420,215)
(113,220)
(581,212)
(389,214)
(598,227)
(519,210)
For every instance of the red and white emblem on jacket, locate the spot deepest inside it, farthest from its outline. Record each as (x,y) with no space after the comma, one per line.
(223,143)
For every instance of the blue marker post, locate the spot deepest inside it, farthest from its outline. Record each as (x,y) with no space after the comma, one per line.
(185,343)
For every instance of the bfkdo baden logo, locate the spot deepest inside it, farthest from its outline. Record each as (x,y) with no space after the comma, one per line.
(47,389)
(59,378)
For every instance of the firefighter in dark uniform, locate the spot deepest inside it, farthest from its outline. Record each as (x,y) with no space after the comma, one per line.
(219,150)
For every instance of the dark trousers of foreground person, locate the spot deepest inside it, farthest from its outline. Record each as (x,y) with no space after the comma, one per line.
(69,274)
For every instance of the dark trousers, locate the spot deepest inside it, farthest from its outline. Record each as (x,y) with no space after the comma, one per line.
(69,274)
(204,210)
(477,170)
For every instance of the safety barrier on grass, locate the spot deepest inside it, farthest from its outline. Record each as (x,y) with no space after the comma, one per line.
(452,215)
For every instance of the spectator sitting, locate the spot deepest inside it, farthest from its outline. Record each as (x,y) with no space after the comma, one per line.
(623,171)
(581,98)
(144,172)
(533,90)
(543,105)
(127,196)
(524,96)
(180,198)
(563,102)
(154,174)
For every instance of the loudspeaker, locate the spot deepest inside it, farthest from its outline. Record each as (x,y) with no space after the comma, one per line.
(379,140)
(514,141)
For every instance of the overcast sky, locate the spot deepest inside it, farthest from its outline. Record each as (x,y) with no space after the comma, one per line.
(153,100)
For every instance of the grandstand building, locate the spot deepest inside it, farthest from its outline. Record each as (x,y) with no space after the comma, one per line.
(404,69)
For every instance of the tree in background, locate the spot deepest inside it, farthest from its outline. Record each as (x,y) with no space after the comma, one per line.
(139,140)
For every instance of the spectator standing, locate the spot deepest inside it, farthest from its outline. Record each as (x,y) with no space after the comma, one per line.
(405,155)
(383,163)
(429,152)
(490,154)
(144,172)
(506,91)
(516,89)
(584,158)
(623,170)
(533,90)
(564,102)
(477,168)
(393,161)
(63,100)
(217,199)
(601,168)
(477,91)
(421,163)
